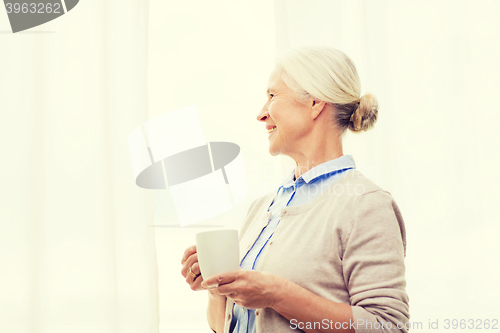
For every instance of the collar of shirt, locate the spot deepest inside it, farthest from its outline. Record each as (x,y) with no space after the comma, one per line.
(320,171)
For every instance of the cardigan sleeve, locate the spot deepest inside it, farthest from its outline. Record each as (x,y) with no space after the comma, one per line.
(373,264)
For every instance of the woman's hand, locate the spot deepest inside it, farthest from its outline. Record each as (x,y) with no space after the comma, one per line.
(249,289)
(191,269)
(190,264)
(216,303)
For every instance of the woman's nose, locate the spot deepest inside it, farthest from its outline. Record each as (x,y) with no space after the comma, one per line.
(263,114)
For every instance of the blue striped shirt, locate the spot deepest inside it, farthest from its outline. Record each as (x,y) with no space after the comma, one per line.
(291,193)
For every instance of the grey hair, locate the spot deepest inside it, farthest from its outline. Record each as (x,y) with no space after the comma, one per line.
(329,75)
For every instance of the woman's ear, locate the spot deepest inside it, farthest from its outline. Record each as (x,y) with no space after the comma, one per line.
(316,108)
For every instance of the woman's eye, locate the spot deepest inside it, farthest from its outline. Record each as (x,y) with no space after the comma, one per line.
(271,95)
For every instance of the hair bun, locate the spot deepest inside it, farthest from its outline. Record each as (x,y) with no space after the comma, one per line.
(365,116)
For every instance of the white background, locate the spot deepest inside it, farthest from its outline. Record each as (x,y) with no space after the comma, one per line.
(433,66)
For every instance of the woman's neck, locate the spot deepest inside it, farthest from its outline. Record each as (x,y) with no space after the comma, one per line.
(315,157)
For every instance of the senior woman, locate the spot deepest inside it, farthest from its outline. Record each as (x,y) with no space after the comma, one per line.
(325,252)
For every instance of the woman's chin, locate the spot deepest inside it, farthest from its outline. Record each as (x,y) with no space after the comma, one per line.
(273,151)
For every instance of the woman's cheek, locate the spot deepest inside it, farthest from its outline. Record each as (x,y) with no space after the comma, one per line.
(270,109)
(274,114)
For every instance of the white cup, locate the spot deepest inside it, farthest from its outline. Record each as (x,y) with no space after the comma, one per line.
(218,252)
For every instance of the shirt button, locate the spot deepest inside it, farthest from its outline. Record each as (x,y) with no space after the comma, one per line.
(256,313)
(242,310)
(271,243)
(228,317)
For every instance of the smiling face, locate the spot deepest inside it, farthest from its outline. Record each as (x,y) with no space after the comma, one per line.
(287,119)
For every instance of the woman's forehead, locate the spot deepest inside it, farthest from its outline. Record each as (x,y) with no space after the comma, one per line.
(274,81)
(275,74)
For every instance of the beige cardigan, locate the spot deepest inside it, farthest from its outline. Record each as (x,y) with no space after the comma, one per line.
(346,245)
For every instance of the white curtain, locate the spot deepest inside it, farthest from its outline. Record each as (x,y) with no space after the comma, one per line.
(77,253)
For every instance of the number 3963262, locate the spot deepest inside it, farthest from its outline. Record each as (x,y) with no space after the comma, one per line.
(33,8)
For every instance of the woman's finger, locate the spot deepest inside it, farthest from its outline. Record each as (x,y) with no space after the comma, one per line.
(196,284)
(196,268)
(221,279)
(188,252)
(190,278)
(228,289)
(188,264)
(199,278)
(194,279)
